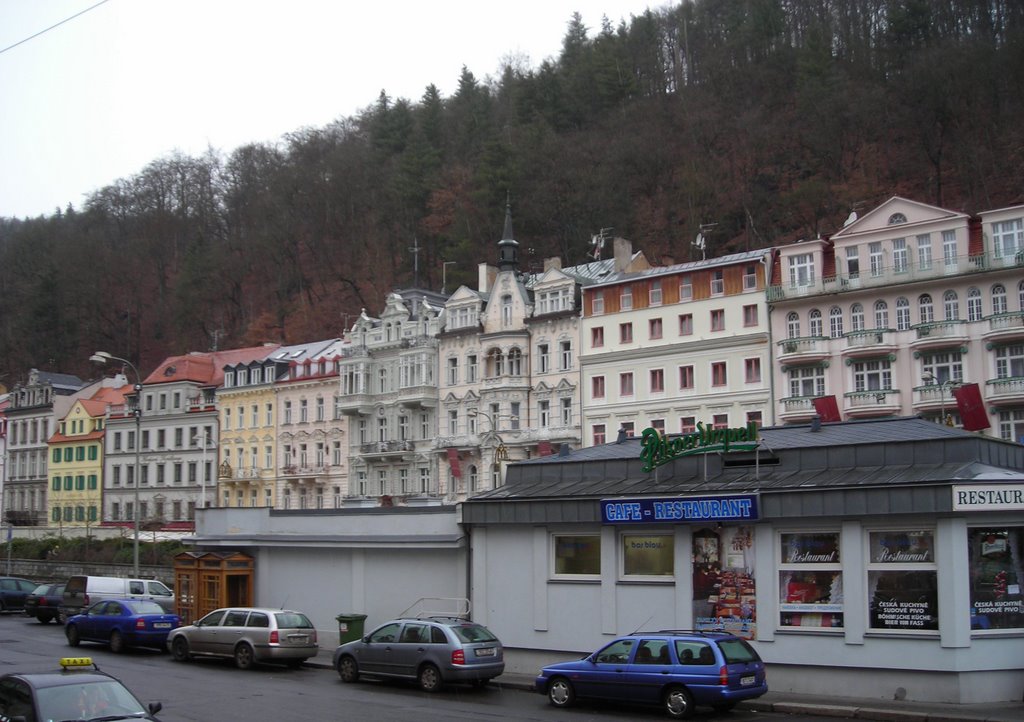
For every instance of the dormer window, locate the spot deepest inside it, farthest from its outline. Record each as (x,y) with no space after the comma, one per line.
(897,218)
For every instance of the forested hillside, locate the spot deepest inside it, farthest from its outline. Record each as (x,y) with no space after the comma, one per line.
(771,118)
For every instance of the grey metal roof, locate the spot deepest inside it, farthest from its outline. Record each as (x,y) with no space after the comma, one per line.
(732,258)
(876,457)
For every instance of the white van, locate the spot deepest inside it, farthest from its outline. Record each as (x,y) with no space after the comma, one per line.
(81,591)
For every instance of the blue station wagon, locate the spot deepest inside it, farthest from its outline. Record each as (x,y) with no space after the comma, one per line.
(674,669)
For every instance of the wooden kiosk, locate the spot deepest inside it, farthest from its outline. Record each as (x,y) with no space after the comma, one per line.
(204,581)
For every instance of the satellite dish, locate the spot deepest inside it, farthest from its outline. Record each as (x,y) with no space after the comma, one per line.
(850,219)
(699,241)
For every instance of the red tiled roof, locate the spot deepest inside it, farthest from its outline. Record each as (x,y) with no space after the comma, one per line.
(205,368)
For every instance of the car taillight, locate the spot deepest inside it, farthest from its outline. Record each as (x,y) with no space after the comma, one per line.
(41,602)
(274,637)
(312,636)
(140,623)
(458,657)
(723,676)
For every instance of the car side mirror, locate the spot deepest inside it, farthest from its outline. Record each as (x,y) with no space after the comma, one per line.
(155,707)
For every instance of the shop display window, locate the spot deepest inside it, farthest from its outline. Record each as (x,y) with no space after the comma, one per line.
(724,593)
(902,581)
(810,580)
(647,555)
(996,555)
(576,555)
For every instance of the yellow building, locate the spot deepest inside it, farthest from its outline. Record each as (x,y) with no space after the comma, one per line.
(76,461)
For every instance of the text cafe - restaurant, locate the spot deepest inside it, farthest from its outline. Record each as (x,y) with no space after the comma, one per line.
(843,551)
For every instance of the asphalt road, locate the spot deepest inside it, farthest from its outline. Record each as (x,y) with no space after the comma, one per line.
(211,690)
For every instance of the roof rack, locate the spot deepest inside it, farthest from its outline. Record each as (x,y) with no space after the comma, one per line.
(438,607)
(696,632)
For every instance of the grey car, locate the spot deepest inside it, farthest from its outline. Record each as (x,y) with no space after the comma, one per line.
(249,635)
(430,651)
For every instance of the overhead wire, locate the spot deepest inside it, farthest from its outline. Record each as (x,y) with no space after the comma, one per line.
(56,25)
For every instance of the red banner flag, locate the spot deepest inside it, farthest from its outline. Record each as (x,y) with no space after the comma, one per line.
(453,461)
(544,448)
(971,407)
(827,408)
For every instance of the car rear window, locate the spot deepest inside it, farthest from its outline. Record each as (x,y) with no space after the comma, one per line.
(737,651)
(144,606)
(292,620)
(471,633)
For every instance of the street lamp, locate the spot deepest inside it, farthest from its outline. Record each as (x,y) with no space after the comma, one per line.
(203,477)
(102,358)
(931,379)
(500,452)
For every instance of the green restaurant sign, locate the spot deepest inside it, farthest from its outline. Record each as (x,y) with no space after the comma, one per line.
(656,449)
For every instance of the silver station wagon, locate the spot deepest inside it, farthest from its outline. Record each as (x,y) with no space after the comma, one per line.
(249,635)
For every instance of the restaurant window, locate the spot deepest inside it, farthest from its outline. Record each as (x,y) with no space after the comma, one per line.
(903,591)
(995,556)
(576,555)
(647,555)
(810,580)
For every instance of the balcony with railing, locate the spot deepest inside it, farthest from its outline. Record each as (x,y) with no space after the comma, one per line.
(875,342)
(803,349)
(422,396)
(1005,392)
(797,409)
(383,450)
(892,275)
(1005,327)
(939,334)
(205,402)
(935,397)
(872,403)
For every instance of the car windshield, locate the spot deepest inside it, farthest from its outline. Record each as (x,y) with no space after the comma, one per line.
(144,606)
(737,650)
(292,620)
(473,633)
(86,701)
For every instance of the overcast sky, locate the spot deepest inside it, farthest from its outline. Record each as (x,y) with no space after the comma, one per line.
(130,81)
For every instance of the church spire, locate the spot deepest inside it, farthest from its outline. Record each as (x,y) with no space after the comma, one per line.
(508,247)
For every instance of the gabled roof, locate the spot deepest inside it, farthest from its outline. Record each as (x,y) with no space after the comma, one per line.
(690,266)
(914,213)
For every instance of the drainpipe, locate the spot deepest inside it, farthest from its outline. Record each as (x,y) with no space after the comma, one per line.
(766,262)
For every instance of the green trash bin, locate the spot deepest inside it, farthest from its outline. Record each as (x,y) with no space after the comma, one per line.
(350,627)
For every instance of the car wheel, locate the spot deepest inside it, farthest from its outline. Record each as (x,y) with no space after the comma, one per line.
(561,693)
(429,678)
(74,638)
(179,650)
(116,642)
(348,670)
(678,703)
(244,656)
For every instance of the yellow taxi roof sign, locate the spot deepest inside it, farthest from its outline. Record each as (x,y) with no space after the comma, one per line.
(68,662)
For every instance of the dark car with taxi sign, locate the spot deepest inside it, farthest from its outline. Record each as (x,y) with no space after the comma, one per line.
(78,691)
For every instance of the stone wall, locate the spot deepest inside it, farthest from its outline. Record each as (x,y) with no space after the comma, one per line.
(39,570)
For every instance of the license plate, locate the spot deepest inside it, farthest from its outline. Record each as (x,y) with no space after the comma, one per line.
(298,637)
(748,680)
(485,652)
(161,625)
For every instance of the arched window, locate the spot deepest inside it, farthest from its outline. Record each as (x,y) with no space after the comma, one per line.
(998,298)
(974,310)
(815,322)
(472,478)
(950,306)
(856,317)
(495,363)
(835,322)
(515,362)
(902,313)
(793,325)
(881,314)
(925,309)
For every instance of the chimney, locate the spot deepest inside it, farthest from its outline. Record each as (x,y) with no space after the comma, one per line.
(487,275)
(815,424)
(563,450)
(621,438)
(553,262)
(623,254)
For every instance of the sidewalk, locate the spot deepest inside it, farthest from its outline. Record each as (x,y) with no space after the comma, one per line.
(825,706)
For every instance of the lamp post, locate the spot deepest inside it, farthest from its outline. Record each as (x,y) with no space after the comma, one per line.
(500,452)
(203,475)
(931,379)
(102,358)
